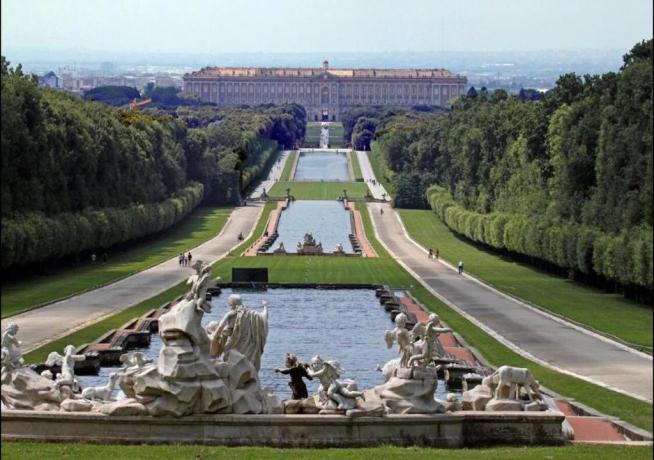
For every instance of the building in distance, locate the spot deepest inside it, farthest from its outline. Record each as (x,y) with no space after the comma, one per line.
(325,92)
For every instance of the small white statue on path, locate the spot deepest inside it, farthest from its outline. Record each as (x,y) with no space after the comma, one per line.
(343,393)
(12,356)
(67,363)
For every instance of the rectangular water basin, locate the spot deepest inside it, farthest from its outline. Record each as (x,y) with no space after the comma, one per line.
(322,166)
(328,221)
(345,325)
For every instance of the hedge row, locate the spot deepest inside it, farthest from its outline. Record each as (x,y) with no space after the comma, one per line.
(33,237)
(625,258)
(261,153)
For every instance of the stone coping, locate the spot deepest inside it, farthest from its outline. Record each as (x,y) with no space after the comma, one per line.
(461,429)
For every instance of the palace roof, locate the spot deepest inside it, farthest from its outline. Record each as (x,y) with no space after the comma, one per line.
(291,72)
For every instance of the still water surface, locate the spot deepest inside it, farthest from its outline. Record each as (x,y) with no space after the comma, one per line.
(322,166)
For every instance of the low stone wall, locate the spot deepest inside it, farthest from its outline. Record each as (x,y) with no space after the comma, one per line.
(461,429)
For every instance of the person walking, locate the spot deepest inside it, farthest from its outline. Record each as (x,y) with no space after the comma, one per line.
(431,253)
(189,258)
(93,257)
(181,259)
(436,253)
(460,267)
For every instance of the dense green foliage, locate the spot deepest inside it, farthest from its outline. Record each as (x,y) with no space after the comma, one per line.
(34,237)
(113,95)
(91,170)
(566,179)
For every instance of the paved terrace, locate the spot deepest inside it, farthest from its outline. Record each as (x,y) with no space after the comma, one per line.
(547,339)
(378,191)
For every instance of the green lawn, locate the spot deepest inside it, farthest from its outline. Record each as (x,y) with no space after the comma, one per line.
(312,134)
(382,173)
(387,271)
(336,135)
(26,450)
(356,167)
(202,225)
(286,172)
(318,190)
(609,313)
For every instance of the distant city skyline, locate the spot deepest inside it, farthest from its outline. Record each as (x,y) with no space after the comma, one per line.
(116,27)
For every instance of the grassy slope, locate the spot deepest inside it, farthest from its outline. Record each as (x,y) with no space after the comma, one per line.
(382,173)
(24,450)
(610,313)
(200,226)
(286,172)
(356,167)
(312,134)
(385,270)
(318,190)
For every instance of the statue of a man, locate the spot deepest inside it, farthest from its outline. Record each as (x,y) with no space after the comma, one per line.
(11,352)
(240,329)
(297,371)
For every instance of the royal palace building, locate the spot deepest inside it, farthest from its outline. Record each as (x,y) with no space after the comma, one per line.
(325,92)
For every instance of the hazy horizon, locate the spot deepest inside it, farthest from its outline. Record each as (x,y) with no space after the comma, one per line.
(210,27)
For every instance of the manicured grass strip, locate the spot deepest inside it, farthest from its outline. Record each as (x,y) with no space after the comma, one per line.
(312,134)
(606,312)
(318,190)
(202,225)
(31,450)
(356,167)
(379,168)
(288,166)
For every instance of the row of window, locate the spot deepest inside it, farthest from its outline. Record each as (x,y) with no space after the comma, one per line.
(378,90)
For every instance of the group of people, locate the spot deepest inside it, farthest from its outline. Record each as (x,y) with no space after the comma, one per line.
(185,259)
(434,255)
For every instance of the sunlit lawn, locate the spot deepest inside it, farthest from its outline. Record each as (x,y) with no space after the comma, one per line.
(200,226)
(610,313)
(25,450)
(318,190)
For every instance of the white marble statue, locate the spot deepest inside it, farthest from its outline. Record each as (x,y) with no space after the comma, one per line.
(102,393)
(429,347)
(403,337)
(514,378)
(67,363)
(240,329)
(334,393)
(12,356)
(199,282)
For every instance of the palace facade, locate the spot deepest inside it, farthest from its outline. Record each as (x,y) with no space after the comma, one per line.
(325,92)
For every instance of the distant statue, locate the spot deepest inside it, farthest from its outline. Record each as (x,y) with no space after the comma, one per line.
(240,329)
(12,356)
(67,362)
(403,337)
(339,249)
(280,249)
(334,393)
(200,282)
(309,245)
(297,371)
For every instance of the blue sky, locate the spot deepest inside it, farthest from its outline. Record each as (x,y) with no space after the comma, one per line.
(223,26)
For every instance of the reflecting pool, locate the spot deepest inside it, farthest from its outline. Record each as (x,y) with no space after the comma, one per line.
(322,166)
(346,325)
(328,221)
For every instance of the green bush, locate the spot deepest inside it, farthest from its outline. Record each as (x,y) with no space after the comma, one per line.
(625,257)
(33,237)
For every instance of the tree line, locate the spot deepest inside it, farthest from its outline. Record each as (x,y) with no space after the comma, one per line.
(565,178)
(79,170)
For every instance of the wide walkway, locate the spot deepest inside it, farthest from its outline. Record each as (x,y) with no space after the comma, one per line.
(550,340)
(378,191)
(273,176)
(61,318)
